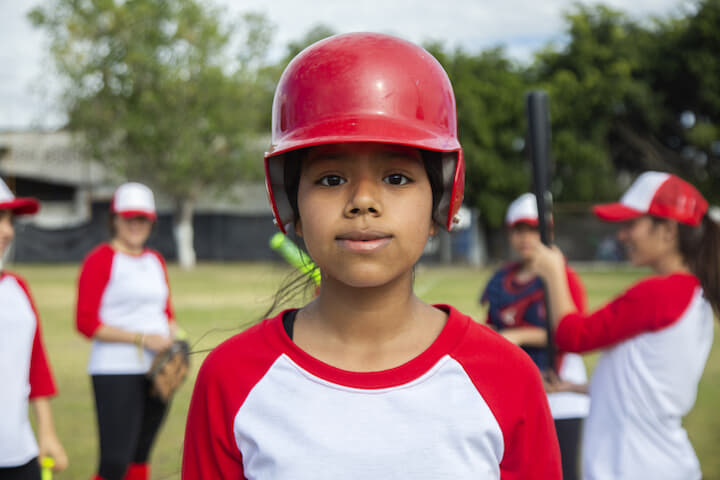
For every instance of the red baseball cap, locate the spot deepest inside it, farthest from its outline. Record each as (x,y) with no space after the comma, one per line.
(19,206)
(134,200)
(659,194)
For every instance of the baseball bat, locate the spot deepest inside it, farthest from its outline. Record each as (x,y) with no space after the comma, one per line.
(294,256)
(539,152)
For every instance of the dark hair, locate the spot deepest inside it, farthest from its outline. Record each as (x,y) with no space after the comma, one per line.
(699,247)
(111,225)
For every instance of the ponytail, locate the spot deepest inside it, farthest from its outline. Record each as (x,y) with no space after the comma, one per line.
(700,248)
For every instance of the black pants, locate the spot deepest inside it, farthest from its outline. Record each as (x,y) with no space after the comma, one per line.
(29,471)
(568,433)
(129,418)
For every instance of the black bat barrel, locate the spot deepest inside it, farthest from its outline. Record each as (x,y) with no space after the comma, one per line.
(538,148)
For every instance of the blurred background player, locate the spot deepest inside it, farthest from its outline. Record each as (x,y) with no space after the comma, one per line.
(516,309)
(656,336)
(367,380)
(25,373)
(124,306)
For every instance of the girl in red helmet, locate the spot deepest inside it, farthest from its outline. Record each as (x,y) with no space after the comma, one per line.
(24,369)
(367,380)
(656,336)
(124,307)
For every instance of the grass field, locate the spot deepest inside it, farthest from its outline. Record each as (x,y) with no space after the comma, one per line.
(222,299)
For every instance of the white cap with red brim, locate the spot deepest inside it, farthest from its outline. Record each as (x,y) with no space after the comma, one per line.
(134,200)
(658,194)
(19,206)
(522,210)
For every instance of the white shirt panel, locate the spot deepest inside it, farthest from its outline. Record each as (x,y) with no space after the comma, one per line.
(565,405)
(18,325)
(378,428)
(135,299)
(661,370)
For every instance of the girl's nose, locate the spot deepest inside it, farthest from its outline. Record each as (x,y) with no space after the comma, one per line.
(364,199)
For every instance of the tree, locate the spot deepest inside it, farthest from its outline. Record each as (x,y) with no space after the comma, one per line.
(156,94)
(489,92)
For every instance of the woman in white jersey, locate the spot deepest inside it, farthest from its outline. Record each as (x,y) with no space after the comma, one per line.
(124,307)
(656,336)
(25,373)
(516,308)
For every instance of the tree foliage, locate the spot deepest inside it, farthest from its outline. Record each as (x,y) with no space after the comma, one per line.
(626,96)
(155,91)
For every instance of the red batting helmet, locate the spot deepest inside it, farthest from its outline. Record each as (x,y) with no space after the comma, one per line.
(365,87)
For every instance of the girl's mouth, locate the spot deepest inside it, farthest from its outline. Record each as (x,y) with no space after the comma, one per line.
(363,241)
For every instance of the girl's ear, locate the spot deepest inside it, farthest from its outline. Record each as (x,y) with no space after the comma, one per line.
(433,228)
(298,228)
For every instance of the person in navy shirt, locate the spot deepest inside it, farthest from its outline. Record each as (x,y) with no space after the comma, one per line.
(515,299)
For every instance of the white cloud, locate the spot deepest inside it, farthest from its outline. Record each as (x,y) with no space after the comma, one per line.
(521,26)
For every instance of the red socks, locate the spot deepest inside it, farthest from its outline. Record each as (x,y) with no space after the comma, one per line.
(138,471)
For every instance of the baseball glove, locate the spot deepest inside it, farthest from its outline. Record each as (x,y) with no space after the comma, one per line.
(169,369)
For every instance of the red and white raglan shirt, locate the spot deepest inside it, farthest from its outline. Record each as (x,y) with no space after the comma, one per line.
(471,406)
(24,370)
(125,291)
(657,337)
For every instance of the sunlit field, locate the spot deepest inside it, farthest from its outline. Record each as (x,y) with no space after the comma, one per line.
(216,301)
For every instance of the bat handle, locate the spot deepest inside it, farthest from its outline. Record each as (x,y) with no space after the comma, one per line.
(46,466)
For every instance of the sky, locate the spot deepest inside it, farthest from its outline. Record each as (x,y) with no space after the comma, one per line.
(28,89)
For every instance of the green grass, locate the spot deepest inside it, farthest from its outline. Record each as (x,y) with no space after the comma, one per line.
(219,300)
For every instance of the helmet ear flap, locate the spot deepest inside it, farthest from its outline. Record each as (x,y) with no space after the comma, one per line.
(277,195)
(453,183)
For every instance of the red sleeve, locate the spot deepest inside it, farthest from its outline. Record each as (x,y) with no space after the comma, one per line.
(225,379)
(42,383)
(94,277)
(210,449)
(168,305)
(650,305)
(577,290)
(510,383)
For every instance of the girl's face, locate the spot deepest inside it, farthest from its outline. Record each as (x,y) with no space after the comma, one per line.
(7,232)
(523,240)
(133,232)
(365,211)
(647,242)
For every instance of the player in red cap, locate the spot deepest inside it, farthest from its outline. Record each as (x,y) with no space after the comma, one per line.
(366,380)
(656,336)
(123,305)
(516,308)
(25,373)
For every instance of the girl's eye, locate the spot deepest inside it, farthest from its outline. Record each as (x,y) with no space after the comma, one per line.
(331,180)
(396,179)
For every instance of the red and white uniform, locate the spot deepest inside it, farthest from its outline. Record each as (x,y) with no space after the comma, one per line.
(129,292)
(471,406)
(657,337)
(24,370)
